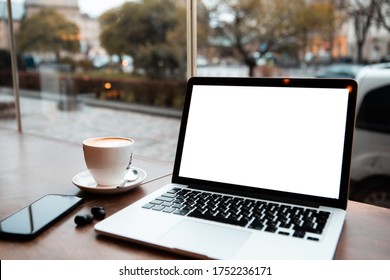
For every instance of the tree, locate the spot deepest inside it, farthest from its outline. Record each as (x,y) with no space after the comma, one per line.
(363,15)
(317,24)
(176,42)
(203,24)
(234,22)
(383,9)
(145,30)
(48,31)
(264,26)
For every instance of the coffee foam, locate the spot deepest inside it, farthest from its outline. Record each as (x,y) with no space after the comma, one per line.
(108,142)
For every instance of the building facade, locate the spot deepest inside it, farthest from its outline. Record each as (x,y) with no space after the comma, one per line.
(18,13)
(89,27)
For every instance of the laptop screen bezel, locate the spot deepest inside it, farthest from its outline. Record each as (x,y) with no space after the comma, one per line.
(340,202)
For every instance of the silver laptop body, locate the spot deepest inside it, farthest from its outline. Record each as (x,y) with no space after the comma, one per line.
(261,172)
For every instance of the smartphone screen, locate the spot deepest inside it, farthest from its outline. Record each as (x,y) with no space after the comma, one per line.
(33,219)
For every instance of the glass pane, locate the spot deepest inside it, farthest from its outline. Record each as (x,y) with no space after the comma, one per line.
(324,39)
(273,38)
(100,68)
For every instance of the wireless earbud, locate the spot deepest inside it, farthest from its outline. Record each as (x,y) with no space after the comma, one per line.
(98,212)
(83,219)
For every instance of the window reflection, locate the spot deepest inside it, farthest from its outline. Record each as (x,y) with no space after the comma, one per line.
(92,68)
(264,38)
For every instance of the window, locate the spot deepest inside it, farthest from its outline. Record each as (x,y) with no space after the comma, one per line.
(94,68)
(88,68)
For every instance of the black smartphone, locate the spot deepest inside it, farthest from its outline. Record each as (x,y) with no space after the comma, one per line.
(28,222)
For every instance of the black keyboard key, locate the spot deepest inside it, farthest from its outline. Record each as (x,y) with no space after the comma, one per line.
(317,229)
(297,209)
(271,229)
(283,233)
(285,207)
(257,224)
(299,234)
(213,212)
(182,212)
(322,217)
(285,225)
(296,220)
(177,205)
(234,216)
(324,214)
(223,215)
(178,199)
(313,238)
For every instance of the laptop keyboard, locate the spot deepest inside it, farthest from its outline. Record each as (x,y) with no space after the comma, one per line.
(261,215)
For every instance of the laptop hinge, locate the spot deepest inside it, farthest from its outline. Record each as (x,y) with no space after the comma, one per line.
(257,196)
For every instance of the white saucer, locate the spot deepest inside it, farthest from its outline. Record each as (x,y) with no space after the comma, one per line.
(85,182)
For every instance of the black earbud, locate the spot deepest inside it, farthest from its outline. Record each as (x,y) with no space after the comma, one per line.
(98,212)
(83,219)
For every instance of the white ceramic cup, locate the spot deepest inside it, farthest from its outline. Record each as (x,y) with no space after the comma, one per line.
(108,159)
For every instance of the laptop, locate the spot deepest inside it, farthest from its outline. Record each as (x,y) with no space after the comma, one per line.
(261,172)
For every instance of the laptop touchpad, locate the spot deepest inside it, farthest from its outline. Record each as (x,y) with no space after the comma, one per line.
(198,237)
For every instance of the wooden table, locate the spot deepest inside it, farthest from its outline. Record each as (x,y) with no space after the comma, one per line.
(33,166)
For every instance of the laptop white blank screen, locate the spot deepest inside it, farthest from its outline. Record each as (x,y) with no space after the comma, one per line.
(277,138)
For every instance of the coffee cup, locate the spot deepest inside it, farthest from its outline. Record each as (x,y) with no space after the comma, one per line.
(108,159)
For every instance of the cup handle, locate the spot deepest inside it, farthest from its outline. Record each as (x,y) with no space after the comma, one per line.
(130,161)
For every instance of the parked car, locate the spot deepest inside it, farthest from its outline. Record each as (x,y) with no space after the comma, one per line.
(381,65)
(370,171)
(340,70)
